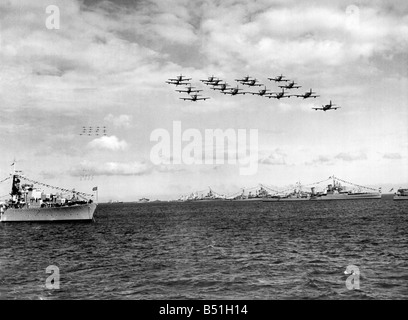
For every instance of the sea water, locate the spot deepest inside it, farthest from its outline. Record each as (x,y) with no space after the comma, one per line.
(212,250)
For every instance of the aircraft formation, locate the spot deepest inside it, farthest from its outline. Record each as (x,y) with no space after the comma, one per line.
(91,132)
(193,94)
(217,84)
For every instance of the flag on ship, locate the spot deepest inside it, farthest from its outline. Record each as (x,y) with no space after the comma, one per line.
(94,188)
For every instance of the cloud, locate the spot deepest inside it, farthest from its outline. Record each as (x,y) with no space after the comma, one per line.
(284,106)
(321,35)
(320,160)
(123,120)
(392,156)
(108,143)
(351,156)
(276,157)
(110,59)
(114,168)
(111,169)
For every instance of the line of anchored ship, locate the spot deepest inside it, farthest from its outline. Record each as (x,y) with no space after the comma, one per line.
(28,203)
(333,191)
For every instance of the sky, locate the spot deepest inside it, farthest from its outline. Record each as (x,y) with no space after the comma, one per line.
(107,63)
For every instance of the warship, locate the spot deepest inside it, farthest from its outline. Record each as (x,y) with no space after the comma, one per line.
(401,194)
(30,204)
(336,189)
(333,191)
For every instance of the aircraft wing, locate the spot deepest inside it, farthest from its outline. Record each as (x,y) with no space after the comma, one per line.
(276,80)
(189,91)
(186,99)
(318,108)
(335,108)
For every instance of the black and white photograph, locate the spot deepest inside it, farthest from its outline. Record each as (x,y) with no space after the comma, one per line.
(207,151)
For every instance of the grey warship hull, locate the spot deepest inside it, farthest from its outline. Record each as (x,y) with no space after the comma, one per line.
(83,212)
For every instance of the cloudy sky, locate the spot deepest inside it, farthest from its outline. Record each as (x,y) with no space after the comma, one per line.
(107,65)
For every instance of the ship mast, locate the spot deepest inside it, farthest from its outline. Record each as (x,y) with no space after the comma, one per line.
(12,175)
(14,167)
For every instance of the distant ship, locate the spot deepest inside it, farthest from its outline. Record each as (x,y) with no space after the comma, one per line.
(31,204)
(296,195)
(334,191)
(401,194)
(143,200)
(210,196)
(259,195)
(114,201)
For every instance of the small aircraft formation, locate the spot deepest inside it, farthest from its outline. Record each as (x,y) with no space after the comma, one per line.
(327,107)
(308,94)
(290,85)
(278,95)
(179,80)
(278,78)
(261,92)
(234,91)
(189,90)
(217,84)
(194,97)
(90,131)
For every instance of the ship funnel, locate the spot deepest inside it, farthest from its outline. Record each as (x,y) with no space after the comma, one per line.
(313,190)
